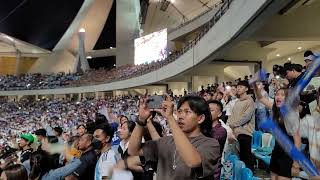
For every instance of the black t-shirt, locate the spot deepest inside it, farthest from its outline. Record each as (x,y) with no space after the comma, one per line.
(88,163)
(25,155)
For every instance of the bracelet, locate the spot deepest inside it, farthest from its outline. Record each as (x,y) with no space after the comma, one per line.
(125,160)
(140,123)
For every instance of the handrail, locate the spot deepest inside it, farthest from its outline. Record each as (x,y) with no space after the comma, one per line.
(197,17)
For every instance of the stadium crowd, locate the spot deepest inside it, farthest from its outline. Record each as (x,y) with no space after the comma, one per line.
(90,77)
(36,81)
(183,137)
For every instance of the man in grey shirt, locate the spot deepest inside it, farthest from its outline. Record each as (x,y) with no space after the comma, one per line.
(189,153)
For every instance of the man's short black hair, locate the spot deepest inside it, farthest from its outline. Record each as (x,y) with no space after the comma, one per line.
(100,119)
(41,132)
(298,67)
(293,67)
(244,83)
(308,53)
(59,130)
(218,103)
(107,130)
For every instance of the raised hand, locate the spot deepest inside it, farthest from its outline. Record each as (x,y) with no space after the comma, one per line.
(144,111)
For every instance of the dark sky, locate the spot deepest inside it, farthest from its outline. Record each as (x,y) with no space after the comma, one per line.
(107,39)
(39,22)
(43,23)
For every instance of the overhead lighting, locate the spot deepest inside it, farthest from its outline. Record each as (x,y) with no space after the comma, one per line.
(89,57)
(278,55)
(289,58)
(111,47)
(299,48)
(172,1)
(82,30)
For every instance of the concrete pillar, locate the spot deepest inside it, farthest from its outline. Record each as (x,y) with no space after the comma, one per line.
(92,17)
(82,52)
(127,28)
(18,62)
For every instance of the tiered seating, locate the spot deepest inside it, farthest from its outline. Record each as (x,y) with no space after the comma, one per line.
(236,169)
(246,174)
(262,146)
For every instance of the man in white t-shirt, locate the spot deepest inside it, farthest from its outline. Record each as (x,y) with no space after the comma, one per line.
(107,160)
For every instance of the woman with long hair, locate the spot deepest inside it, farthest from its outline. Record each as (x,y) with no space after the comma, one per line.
(14,172)
(281,163)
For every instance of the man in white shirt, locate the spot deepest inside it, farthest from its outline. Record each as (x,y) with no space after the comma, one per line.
(102,141)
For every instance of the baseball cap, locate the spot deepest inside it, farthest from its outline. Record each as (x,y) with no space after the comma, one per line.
(27,137)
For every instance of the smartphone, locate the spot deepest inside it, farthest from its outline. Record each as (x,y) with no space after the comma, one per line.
(155,102)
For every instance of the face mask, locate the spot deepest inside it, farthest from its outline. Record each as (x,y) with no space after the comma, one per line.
(96,144)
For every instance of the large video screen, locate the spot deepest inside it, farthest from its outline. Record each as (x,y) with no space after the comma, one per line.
(151,47)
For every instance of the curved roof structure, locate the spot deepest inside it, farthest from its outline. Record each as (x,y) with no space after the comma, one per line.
(201,50)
